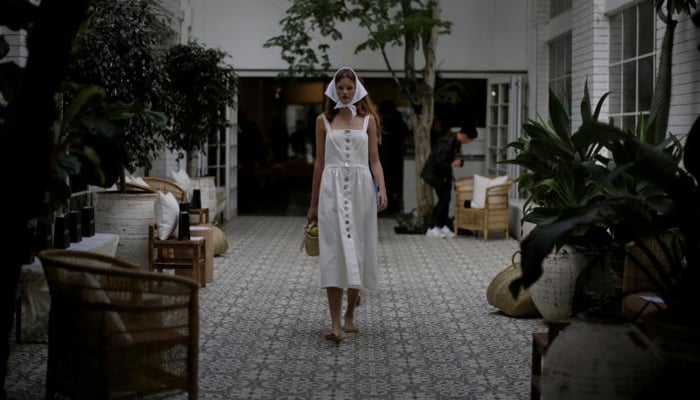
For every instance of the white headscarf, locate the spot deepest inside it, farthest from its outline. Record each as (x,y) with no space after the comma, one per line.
(360,92)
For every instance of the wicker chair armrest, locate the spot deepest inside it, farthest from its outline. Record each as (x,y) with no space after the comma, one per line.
(497,196)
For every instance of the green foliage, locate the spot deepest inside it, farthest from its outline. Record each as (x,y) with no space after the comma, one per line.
(120,49)
(310,23)
(201,85)
(640,192)
(409,223)
(559,165)
(661,98)
(28,108)
(86,139)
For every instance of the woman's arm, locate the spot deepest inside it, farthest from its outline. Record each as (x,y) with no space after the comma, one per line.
(312,214)
(375,165)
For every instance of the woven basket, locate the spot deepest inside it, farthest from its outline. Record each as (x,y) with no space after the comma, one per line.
(310,242)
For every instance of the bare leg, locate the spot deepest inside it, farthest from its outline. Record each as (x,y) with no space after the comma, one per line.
(335,301)
(350,312)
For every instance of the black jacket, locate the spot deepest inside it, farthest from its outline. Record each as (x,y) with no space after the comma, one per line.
(438,166)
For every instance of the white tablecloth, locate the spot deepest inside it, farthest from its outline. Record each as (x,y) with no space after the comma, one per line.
(32,283)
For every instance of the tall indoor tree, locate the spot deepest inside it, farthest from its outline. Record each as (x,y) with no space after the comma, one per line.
(120,48)
(310,25)
(661,99)
(202,86)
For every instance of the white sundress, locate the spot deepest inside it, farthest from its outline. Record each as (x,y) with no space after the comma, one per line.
(347,211)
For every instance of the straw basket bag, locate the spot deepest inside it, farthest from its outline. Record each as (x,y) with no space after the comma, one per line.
(310,241)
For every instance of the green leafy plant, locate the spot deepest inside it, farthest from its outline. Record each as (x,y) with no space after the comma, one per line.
(661,100)
(120,50)
(201,86)
(562,171)
(409,223)
(645,193)
(86,146)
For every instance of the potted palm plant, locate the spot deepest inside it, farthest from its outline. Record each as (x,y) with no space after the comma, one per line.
(673,267)
(562,175)
(647,194)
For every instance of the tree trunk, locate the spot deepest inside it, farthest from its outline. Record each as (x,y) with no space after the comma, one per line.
(190,166)
(661,100)
(424,192)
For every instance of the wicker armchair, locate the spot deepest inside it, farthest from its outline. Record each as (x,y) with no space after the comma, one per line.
(118,331)
(166,185)
(494,216)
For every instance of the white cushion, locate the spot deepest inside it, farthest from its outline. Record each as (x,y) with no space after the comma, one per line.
(184,180)
(481,183)
(167,212)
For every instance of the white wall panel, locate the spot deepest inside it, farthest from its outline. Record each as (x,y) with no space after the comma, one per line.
(487,35)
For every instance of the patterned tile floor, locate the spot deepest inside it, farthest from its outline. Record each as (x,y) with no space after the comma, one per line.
(428,333)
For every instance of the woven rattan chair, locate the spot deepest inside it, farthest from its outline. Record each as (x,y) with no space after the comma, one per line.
(494,215)
(166,185)
(118,331)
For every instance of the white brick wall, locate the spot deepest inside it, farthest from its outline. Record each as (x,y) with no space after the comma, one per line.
(590,58)
(590,54)
(541,84)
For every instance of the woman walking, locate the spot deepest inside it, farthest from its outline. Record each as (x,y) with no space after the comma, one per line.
(344,201)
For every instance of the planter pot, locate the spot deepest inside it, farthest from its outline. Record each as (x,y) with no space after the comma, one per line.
(74,226)
(87,221)
(553,293)
(127,215)
(600,359)
(61,233)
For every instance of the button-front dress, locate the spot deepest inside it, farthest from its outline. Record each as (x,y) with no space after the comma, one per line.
(347,211)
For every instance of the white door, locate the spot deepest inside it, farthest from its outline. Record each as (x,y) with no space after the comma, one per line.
(231,176)
(504,118)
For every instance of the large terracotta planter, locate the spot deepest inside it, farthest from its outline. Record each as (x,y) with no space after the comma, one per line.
(127,215)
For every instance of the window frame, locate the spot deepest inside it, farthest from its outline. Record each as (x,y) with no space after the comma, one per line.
(620,112)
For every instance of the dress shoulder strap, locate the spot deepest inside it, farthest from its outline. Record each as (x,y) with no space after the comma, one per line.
(326,123)
(365,123)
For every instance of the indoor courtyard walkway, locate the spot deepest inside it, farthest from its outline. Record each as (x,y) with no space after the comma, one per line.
(428,333)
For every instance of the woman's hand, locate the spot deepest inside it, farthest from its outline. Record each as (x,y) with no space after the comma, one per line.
(382,200)
(312,215)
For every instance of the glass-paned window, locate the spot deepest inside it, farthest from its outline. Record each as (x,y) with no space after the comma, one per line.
(557,7)
(632,64)
(560,69)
